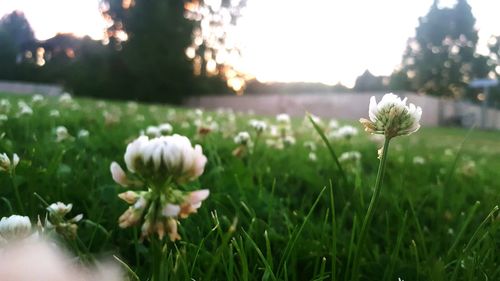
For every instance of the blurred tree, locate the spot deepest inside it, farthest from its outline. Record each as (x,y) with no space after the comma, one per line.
(493,61)
(214,50)
(440,59)
(19,29)
(17,43)
(150,36)
(369,82)
(153,63)
(398,81)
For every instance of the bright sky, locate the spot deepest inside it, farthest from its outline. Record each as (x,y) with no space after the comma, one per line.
(329,40)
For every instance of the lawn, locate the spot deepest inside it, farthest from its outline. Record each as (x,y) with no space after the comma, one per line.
(280,211)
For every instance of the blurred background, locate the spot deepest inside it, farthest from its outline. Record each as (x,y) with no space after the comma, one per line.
(268,56)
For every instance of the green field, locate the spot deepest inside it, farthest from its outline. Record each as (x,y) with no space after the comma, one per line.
(273,214)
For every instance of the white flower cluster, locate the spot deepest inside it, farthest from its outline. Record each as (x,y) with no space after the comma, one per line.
(242,138)
(165,157)
(6,165)
(258,125)
(392,117)
(14,227)
(345,132)
(57,221)
(161,164)
(160,130)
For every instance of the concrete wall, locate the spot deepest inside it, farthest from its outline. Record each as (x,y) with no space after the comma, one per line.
(347,106)
(30,88)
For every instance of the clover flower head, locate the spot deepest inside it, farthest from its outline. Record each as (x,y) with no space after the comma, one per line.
(392,117)
(418,160)
(350,156)
(289,140)
(344,132)
(65,98)
(153,131)
(310,145)
(242,138)
(283,119)
(165,129)
(54,113)
(37,98)
(165,157)
(15,227)
(24,109)
(83,134)
(62,134)
(6,165)
(333,124)
(312,156)
(258,125)
(59,208)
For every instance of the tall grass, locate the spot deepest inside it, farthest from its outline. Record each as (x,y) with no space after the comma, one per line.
(275,214)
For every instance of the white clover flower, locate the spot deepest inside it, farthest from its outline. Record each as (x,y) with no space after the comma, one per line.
(101,104)
(59,208)
(165,129)
(344,132)
(62,133)
(165,156)
(15,227)
(24,109)
(333,124)
(313,157)
(3,117)
(310,145)
(6,165)
(65,98)
(283,119)
(4,105)
(153,131)
(83,134)
(258,126)
(289,140)
(54,113)
(392,117)
(37,98)
(242,138)
(350,156)
(418,160)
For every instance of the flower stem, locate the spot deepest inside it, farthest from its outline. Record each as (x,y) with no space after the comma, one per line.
(369,214)
(17,194)
(156,247)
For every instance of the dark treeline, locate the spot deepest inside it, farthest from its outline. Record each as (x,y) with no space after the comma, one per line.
(156,50)
(142,56)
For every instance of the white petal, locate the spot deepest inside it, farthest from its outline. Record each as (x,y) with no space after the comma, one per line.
(171,210)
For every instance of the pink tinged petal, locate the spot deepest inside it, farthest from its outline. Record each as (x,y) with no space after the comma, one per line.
(129,196)
(172,230)
(171,210)
(198,196)
(119,175)
(200,161)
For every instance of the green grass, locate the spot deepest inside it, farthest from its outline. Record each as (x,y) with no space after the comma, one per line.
(273,215)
